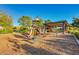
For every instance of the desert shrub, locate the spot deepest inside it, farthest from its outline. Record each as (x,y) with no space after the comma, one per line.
(75,31)
(6,30)
(23,30)
(2,31)
(77,34)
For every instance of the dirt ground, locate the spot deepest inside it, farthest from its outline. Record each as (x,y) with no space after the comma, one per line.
(48,44)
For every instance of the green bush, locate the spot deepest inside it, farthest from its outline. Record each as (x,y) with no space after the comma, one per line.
(74,31)
(6,30)
(77,34)
(23,30)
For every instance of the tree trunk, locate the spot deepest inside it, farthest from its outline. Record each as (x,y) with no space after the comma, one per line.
(30,32)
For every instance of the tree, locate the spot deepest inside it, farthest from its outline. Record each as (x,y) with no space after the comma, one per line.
(48,21)
(39,23)
(75,22)
(5,20)
(26,23)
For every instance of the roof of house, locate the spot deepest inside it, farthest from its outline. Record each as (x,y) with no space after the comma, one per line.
(57,23)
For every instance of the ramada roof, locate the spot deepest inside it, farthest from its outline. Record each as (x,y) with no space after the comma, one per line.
(57,23)
(63,21)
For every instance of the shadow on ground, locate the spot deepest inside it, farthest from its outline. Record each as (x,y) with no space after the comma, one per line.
(20,36)
(31,49)
(62,45)
(66,46)
(36,51)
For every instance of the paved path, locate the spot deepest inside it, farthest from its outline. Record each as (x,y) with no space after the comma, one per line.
(52,44)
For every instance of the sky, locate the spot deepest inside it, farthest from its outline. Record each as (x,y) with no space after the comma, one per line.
(54,12)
